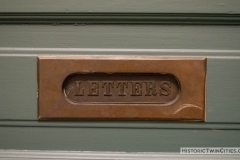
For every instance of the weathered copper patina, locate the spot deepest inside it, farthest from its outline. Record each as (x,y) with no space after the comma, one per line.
(121,88)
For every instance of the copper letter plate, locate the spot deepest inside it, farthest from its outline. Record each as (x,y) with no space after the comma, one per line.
(121,88)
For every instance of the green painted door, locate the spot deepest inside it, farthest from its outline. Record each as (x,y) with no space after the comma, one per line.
(120,27)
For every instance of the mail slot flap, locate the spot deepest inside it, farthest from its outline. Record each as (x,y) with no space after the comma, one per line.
(121,88)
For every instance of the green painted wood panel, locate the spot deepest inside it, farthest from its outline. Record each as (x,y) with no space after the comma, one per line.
(72,155)
(114,139)
(18,83)
(223,90)
(121,36)
(137,6)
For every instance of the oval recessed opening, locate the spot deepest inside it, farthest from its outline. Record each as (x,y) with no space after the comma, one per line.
(121,88)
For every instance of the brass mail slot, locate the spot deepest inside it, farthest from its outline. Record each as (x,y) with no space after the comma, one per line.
(121,88)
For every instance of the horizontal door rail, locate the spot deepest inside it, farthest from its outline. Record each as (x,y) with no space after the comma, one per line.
(120,18)
(44,154)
